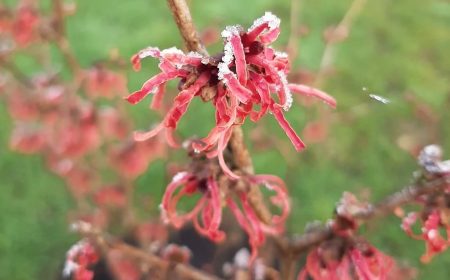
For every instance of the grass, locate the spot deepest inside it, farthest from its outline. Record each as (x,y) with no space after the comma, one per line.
(396,48)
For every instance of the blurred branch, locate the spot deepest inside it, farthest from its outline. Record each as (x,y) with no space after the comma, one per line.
(106,243)
(60,37)
(292,46)
(16,73)
(338,34)
(406,195)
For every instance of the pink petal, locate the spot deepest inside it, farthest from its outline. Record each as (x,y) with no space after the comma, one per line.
(148,87)
(241,65)
(158,98)
(142,136)
(310,91)
(296,141)
(223,141)
(234,87)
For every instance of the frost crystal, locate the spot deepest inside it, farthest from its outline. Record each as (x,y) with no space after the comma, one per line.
(149,51)
(379,98)
(164,216)
(172,50)
(269,18)
(287,105)
(70,266)
(281,54)
(228,55)
(195,55)
(231,30)
(223,70)
(242,258)
(179,176)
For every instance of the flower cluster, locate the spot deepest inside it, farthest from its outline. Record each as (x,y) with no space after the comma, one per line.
(78,139)
(248,80)
(435,215)
(345,255)
(206,215)
(359,260)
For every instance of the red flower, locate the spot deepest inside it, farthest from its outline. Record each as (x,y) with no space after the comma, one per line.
(112,124)
(78,259)
(27,140)
(209,207)
(25,24)
(359,261)
(110,197)
(435,242)
(248,72)
(101,82)
(77,134)
(131,158)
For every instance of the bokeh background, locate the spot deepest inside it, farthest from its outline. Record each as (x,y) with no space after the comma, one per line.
(396,49)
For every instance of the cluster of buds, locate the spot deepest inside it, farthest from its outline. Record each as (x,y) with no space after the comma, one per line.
(345,255)
(247,80)
(435,215)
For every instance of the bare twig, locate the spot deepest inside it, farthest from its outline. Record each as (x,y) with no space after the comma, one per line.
(183,19)
(105,243)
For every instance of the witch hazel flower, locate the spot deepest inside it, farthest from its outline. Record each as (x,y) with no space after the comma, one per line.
(435,216)
(25,23)
(345,255)
(79,258)
(247,80)
(346,261)
(435,242)
(206,215)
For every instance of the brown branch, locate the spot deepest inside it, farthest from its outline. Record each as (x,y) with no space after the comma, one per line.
(183,19)
(106,243)
(407,195)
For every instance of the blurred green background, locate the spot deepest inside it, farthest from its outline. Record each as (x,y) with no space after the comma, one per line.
(396,49)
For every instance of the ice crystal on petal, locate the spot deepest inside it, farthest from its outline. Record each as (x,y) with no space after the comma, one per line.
(269,18)
(242,258)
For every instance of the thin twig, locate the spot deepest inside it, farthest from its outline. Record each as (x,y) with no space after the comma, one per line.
(105,243)
(60,37)
(292,46)
(384,207)
(16,73)
(183,19)
(344,26)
